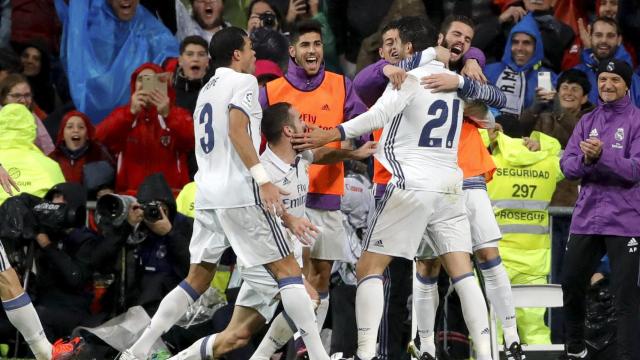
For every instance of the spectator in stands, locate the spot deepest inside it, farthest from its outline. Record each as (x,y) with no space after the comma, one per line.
(556,35)
(603,153)
(9,63)
(190,75)
(517,74)
(16,89)
(32,171)
(76,147)
(150,134)
(35,20)
(104,41)
(271,49)
(205,19)
(36,67)
(605,41)
(263,14)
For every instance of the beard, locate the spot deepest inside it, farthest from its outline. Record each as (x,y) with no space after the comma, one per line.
(452,64)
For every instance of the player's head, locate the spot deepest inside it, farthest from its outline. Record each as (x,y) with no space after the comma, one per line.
(390,48)
(416,34)
(281,120)
(306,45)
(456,34)
(231,47)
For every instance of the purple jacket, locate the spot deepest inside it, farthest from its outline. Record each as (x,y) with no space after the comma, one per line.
(353,107)
(370,82)
(609,199)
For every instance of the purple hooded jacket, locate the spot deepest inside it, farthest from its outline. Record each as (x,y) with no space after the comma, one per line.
(353,107)
(609,200)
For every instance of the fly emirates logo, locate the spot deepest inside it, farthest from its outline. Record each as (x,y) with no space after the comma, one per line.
(313,119)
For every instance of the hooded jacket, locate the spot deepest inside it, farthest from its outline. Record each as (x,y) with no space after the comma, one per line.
(590,67)
(44,94)
(72,162)
(609,199)
(30,168)
(146,143)
(528,71)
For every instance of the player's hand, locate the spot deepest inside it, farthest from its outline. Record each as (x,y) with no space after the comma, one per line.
(512,14)
(585,33)
(543,95)
(135,214)
(7,182)
(443,54)
(592,149)
(314,138)
(161,227)
(139,100)
(271,198)
(364,151)
(531,144)
(440,82)
(473,71)
(161,102)
(395,75)
(302,228)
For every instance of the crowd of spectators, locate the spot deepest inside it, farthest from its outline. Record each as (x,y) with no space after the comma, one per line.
(98,95)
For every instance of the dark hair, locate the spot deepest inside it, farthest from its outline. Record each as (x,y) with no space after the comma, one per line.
(418,31)
(575,76)
(8,83)
(271,45)
(303,27)
(446,23)
(391,25)
(606,20)
(274,118)
(193,40)
(224,43)
(9,61)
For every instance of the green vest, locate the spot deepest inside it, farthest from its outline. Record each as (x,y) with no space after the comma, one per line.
(520,192)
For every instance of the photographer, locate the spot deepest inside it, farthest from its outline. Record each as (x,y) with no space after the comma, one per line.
(156,237)
(262,13)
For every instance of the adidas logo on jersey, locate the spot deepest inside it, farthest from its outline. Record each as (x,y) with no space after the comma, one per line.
(286,181)
(302,332)
(485,331)
(632,245)
(378,243)
(325,107)
(593,133)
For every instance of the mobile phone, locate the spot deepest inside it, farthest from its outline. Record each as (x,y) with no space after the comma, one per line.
(152,82)
(148,82)
(544,80)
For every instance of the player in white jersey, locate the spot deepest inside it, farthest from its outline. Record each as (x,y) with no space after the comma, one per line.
(419,147)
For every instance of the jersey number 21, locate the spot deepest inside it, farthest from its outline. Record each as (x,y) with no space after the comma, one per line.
(441,109)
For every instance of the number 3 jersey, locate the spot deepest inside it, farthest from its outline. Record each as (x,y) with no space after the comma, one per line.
(419,142)
(223,181)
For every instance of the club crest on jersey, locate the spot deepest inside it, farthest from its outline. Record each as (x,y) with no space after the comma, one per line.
(248,99)
(165,140)
(619,134)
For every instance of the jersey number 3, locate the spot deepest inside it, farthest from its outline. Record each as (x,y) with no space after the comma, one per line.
(206,118)
(440,108)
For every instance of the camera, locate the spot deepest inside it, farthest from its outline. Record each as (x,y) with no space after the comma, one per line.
(152,212)
(55,217)
(113,209)
(268,20)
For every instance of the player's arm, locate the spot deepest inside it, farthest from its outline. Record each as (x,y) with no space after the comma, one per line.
(241,140)
(479,113)
(467,88)
(390,103)
(325,155)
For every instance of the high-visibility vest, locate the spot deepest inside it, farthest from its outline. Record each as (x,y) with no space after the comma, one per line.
(520,193)
(323,107)
(185,202)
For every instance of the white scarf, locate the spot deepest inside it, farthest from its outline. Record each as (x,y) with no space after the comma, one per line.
(513,84)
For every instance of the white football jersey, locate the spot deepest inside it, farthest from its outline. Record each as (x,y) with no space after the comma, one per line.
(419,143)
(292,178)
(223,181)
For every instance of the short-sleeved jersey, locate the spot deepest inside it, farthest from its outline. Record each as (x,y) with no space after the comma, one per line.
(223,181)
(292,178)
(419,143)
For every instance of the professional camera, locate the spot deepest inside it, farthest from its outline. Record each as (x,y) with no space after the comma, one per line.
(54,217)
(113,209)
(268,20)
(152,211)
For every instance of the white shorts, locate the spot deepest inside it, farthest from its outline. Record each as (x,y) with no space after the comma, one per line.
(256,236)
(484,228)
(403,217)
(330,242)
(258,291)
(4,260)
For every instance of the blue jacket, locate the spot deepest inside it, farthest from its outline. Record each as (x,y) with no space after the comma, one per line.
(493,71)
(590,67)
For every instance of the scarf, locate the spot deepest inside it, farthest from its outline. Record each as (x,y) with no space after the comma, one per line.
(513,84)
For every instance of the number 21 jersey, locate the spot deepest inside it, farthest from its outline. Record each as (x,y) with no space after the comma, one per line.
(223,181)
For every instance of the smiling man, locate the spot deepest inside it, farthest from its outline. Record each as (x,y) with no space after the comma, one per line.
(605,45)
(324,99)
